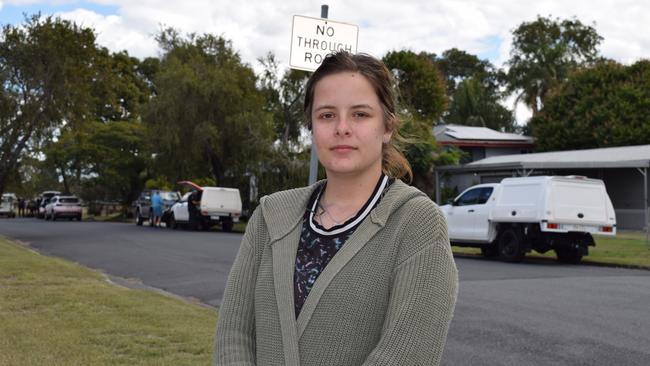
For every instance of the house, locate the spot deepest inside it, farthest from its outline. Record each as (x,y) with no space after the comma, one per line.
(482,142)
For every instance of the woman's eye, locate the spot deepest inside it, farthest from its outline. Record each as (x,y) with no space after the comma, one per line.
(326,115)
(360,114)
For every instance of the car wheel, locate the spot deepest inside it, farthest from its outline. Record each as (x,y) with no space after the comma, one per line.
(569,255)
(171,223)
(226,226)
(138,218)
(490,250)
(79,218)
(53,217)
(192,224)
(510,246)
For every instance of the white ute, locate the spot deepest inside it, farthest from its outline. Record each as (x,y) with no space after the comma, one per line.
(511,218)
(217,205)
(8,205)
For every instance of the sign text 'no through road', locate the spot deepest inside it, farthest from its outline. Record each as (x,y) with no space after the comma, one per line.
(313,38)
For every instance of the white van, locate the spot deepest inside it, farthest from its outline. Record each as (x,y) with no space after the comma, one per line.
(543,213)
(8,205)
(216,205)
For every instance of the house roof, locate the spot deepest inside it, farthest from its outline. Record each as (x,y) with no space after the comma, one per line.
(449,134)
(611,157)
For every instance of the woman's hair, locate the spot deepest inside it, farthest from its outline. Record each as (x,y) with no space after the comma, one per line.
(394,164)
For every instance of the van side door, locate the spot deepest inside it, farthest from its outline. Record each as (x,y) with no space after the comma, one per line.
(481,213)
(181,212)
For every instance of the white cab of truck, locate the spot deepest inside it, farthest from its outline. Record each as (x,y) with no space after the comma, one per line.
(541,213)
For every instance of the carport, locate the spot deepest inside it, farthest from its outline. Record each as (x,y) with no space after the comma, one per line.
(623,169)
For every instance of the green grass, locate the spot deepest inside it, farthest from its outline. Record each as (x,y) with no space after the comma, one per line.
(114,217)
(627,248)
(53,312)
(239,227)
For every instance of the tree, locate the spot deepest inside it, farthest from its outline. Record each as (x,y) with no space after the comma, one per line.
(207,117)
(118,90)
(422,101)
(116,160)
(544,53)
(457,66)
(419,82)
(475,88)
(473,104)
(284,99)
(600,106)
(46,75)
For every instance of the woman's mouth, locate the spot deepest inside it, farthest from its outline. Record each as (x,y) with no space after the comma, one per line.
(343,148)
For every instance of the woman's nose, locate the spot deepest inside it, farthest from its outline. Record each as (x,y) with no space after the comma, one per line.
(343,126)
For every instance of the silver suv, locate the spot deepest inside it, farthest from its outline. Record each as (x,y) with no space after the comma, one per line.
(142,206)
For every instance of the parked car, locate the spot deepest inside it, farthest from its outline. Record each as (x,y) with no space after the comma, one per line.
(63,207)
(205,207)
(43,200)
(142,206)
(511,218)
(8,205)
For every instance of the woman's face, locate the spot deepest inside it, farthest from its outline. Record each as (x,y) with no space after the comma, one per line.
(348,125)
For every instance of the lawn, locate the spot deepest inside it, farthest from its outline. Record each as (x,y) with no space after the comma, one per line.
(627,248)
(54,312)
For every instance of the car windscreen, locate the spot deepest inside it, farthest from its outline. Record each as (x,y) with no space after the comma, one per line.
(169,196)
(68,200)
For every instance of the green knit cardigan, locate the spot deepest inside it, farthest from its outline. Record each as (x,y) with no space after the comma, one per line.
(386,298)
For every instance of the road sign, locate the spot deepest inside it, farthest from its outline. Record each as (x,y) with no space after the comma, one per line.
(313,38)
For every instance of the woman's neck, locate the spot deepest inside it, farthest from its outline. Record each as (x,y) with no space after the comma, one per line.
(345,194)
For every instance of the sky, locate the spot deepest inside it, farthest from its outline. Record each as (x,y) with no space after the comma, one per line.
(481,27)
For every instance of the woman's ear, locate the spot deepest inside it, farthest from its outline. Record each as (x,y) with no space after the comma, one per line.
(389,127)
(387,137)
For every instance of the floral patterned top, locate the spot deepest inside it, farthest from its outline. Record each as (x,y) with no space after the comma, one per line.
(318,245)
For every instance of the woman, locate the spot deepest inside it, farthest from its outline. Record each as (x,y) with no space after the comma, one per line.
(353,270)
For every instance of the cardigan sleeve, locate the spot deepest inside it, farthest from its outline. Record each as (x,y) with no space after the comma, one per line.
(423,295)
(235,337)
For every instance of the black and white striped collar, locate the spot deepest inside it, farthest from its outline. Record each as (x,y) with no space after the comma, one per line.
(354,221)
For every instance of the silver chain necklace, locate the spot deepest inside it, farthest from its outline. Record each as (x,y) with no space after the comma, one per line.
(324,211)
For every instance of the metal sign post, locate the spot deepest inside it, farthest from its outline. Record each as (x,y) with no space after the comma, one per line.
(313,162)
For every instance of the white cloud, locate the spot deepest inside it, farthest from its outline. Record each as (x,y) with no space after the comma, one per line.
(114,33)
(260,26)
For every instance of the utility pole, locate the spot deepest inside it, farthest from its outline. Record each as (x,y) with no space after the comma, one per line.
(313,163)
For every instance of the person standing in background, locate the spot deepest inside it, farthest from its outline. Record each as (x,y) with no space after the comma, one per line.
(156,207)
(21,206)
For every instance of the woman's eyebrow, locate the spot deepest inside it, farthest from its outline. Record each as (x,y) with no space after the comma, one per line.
(365,106)
(356,106)
(324,107)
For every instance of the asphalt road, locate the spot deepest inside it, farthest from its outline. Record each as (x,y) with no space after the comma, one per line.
(533,313)
(187,263)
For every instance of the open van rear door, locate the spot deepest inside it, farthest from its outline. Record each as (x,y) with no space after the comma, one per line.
(190,184)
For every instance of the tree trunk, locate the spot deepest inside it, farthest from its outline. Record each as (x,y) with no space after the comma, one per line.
(216,166)
(3,178)
(66,186)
